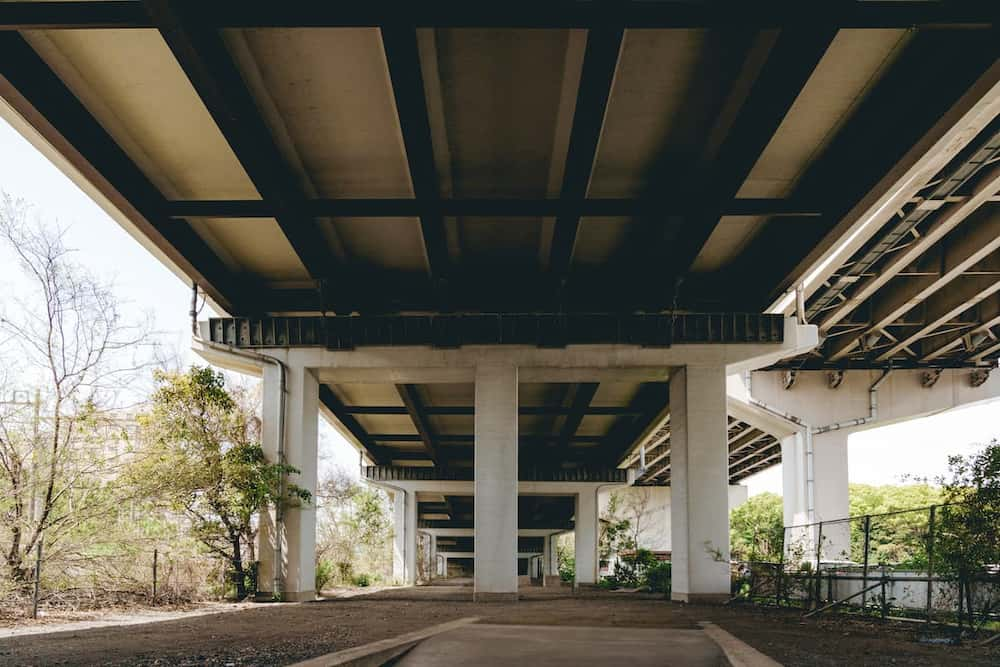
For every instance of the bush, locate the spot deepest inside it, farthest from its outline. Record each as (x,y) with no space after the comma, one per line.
(324,574)
(658,578)
(363,580)
(630,572)
(567,568)
(608,583)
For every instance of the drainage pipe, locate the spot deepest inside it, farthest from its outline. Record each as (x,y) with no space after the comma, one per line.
(807,431)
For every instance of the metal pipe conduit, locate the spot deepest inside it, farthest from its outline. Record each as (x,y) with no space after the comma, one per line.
(807,431)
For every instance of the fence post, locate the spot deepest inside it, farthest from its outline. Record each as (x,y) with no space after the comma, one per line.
(819,556)
(780,575)
(155,559)
(864,571)
(38,577)
(885,599)
(930,562)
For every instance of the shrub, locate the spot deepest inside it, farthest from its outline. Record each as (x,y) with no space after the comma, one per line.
(658,577)
(363,580)
(567,568)
(324,574)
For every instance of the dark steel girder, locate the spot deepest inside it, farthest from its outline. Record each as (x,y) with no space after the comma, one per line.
(541,410)
(790,62)
(414,407)
(512,14)
(583,394)
(375,452)
(202,54)
(403,58)
(651,400)
(41,98)
(600,61)
(511,208)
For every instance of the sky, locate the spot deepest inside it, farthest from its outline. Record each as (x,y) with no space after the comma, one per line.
(147,289)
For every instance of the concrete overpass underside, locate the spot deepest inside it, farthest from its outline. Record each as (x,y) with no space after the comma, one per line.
(514,251)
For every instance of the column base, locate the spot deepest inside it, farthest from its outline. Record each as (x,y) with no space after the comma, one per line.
(700,598)
(494,597)
(287,596)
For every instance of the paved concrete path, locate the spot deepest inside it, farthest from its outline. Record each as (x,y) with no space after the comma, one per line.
(485,645)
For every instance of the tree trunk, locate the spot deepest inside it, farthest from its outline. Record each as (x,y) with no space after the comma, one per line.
(239,575)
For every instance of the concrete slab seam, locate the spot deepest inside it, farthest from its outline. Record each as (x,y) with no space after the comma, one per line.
(738,653)
(377,653)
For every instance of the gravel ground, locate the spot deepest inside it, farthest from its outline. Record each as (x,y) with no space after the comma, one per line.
(281,634)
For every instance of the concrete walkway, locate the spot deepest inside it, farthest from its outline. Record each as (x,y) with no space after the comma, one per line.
(485,645)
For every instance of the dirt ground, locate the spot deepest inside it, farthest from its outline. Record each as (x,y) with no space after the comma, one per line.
(280,634)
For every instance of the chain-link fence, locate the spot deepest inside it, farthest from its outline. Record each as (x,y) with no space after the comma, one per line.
(901,564)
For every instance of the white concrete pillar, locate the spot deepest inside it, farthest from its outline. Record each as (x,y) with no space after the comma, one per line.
(553,542)
(829,496)
(586,535)
(297,538)
(266,535)
(546,564)
(496,483)
(399,537)
(412,540)
(444,566)
(699,464)
(432,554)
(832,494)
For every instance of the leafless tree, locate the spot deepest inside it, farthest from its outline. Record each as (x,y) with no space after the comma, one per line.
(65,337)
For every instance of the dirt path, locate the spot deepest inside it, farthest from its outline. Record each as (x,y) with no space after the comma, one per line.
(280,634)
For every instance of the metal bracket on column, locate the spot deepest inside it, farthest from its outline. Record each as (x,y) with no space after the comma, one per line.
(788,379)
(834,379)
(929,378)
(979,377)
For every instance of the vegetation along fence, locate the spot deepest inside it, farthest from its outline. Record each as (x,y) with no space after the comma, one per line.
(932,564)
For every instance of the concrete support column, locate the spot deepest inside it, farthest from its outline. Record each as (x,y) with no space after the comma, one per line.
(294,575)
(832,494)
(546,564)
(823,498)
(412,540)
(432,554)
(399,537)
(553,542)
(699,509)
(496,483)
(586,534)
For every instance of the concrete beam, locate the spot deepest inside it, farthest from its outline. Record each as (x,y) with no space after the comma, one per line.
(901,396)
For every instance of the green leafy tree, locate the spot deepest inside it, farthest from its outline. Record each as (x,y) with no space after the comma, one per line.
(967,539)
(897,536)
(202,456)
(615,531)
(756,528)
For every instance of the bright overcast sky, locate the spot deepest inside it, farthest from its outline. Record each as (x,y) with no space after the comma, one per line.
(879,456)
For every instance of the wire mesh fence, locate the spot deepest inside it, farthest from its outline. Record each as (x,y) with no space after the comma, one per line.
(899,564)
